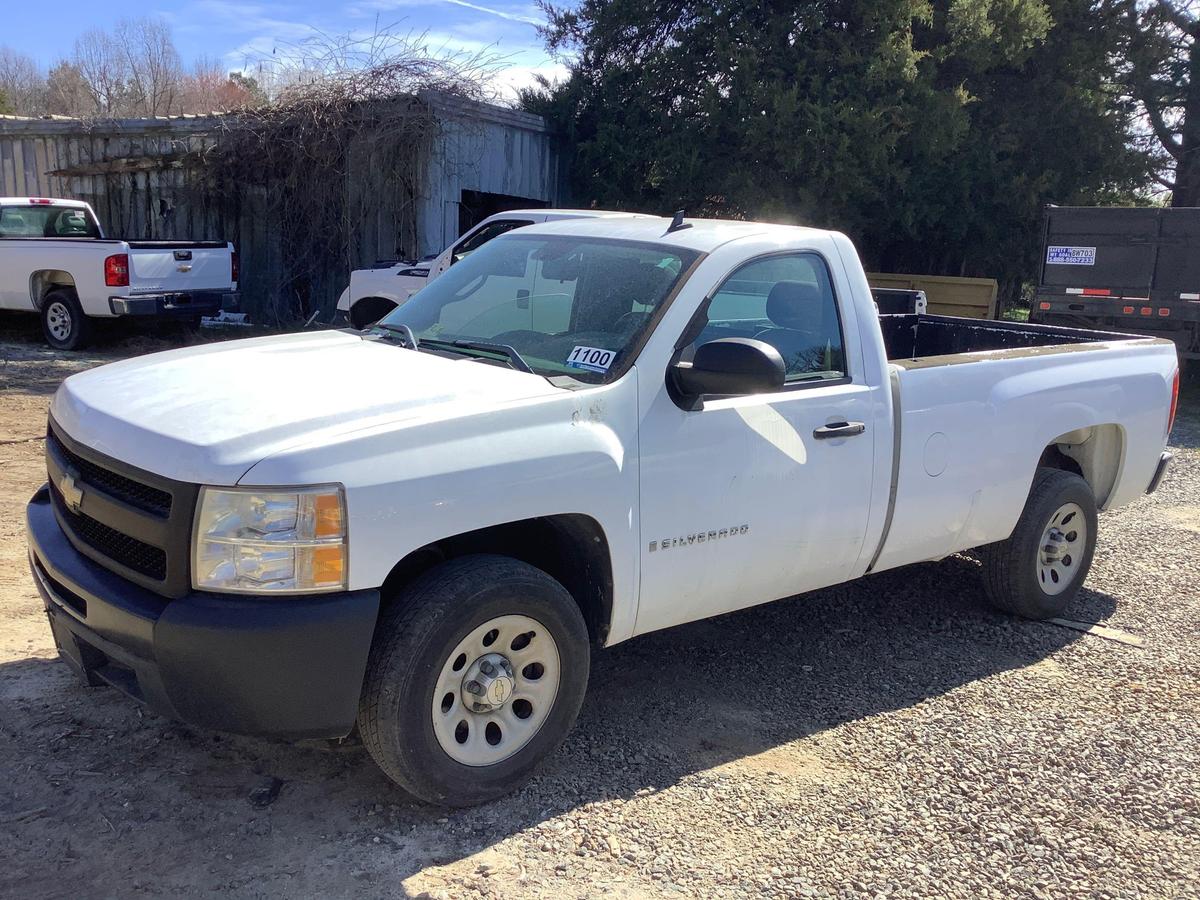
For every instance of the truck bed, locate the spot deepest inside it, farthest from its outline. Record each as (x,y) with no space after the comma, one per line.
(941,340)
(970,399)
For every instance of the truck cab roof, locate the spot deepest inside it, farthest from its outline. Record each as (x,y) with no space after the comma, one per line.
(553,214)
(41,201)
(703,235)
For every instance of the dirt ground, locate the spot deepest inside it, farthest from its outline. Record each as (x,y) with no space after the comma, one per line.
(892,737)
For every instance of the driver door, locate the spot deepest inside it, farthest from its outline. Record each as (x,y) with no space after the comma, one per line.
(744,500)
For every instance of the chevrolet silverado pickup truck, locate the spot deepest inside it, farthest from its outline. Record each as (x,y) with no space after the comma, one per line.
(55,261)
(585,431)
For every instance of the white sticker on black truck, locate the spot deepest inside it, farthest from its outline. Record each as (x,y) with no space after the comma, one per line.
(1071,256)
(593,359)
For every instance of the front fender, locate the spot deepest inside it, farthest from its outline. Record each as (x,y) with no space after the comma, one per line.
(414,483)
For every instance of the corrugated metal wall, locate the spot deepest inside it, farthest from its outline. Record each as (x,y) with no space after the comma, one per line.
(123,168)
(143,179)
(489,149)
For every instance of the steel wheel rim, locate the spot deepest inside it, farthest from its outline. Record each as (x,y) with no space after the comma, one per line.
(516,699)
(1060,553)
(58,320)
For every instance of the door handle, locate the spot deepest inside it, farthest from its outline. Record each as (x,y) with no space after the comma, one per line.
(839,430)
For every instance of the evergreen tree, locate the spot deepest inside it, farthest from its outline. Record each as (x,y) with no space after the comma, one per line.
(1161,68)
(933,132)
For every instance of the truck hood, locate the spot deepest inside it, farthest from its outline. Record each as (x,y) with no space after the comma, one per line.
(207,414)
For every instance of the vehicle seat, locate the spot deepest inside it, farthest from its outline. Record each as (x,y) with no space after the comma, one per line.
(799,332)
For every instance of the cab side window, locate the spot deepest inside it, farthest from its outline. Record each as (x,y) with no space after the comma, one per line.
(787,302)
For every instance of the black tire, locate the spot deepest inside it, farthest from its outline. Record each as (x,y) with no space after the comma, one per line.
(369,310)
(1013,576)
(64,325)
(413,643)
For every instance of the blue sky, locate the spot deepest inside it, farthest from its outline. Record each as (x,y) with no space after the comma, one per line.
(235,33)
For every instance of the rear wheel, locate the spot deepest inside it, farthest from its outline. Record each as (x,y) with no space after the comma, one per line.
(1040,568)
(63,322)
(477,674)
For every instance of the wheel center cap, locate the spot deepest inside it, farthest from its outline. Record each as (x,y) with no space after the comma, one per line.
(1053,550)
(500,690)
(488,683)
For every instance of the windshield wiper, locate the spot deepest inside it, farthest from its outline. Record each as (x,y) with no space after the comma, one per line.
(518,361)
(514,358)
(403,330)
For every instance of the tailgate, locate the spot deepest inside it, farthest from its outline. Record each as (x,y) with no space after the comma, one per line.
(171,267)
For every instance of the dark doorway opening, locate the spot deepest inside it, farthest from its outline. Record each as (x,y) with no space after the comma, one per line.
(478,205)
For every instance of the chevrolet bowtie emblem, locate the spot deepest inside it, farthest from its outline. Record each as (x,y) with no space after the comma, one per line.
(72,493)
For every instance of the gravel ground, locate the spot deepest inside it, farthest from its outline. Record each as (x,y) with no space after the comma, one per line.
(892,737)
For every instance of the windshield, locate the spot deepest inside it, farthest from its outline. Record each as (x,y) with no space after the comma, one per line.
(47,221)
(566,305)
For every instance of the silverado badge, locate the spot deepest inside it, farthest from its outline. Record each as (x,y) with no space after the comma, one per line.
(699,537)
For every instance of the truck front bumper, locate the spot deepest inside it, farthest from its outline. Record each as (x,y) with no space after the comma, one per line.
(199,303)
(289,667)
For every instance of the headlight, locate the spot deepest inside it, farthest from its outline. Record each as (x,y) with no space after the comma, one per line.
(251,541)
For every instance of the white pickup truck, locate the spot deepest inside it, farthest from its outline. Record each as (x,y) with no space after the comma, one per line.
(55,261)
(375,292)
(585,431)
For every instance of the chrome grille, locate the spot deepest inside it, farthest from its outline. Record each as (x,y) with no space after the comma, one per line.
(120,548)
(131,521)
(143,496)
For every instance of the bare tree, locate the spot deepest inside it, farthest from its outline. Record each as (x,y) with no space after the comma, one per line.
(21,82)
(209,88)
(133,70)
(200,88)
(68,92)
(152,66)
(105,72)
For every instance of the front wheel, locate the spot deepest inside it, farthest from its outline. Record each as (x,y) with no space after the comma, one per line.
(63,322)
(1040,568)
(477,673)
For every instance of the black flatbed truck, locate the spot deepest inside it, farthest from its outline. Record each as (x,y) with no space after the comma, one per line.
(1126,269)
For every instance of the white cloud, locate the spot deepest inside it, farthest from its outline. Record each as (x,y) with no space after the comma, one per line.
(527,14)
(499,32)
(503,14)
(508,81)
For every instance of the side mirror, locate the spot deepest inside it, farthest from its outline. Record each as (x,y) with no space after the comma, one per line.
(729,366)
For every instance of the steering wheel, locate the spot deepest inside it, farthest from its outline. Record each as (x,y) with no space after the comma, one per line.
(507,337)
(631,321)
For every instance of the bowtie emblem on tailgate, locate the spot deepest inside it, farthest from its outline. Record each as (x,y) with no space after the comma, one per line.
(72,493)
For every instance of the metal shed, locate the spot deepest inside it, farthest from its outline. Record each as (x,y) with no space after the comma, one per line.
(145,181)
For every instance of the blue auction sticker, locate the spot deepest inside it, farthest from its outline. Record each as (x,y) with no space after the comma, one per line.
(1071,256)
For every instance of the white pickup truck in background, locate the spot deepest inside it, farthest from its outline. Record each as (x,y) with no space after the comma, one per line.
(375,292)
(55,261)
(585,431)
